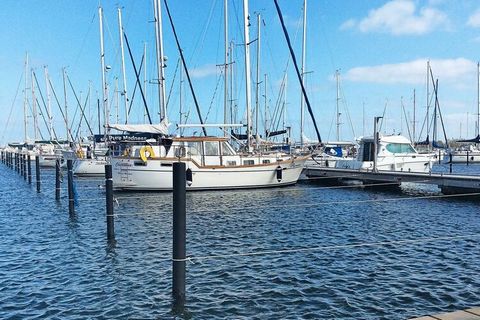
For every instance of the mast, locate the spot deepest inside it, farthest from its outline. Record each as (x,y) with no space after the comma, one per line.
(257,93)
(304,40)
(104,83)
(428,99)
(225,98)
(160,58)
(34,109)
(265,102)
(25,100)
(145,79)
(414,114)
(337,75)
(181,94)
(49,104)
(478,99)
(124,93)
(246,19)
(117,101)
(67,128)
(232,113)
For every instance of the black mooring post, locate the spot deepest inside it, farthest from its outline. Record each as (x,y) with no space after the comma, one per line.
(20,165)
(16,162)
(57,179)
(467,157)
(450,155)
(29,167)
(179,234)
(71,200)
(37,171)
(24,167)
(109,202)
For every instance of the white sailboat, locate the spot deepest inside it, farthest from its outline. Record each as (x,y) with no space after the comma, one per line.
(211,162)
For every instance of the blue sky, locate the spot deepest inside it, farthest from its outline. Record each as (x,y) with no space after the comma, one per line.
(380,48)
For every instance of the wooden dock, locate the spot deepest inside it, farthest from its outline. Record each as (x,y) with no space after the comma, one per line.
(448,183)
(468,314)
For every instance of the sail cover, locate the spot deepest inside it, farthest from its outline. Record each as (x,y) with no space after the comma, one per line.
(161,128)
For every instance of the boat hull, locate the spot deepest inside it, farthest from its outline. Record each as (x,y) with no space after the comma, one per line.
(132,174)
(89,167)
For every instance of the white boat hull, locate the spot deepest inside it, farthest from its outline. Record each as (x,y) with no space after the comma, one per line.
(464,157)
(89,167)
(419,163)
(132,174)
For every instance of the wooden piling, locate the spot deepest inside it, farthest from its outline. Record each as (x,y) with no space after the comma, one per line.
(109,202)
(29,169)
(179,234)
(37,171)
(71,199)
(57,179)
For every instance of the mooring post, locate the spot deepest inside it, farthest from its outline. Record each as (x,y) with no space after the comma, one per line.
(450,155)
(71,200)
(467,157)
(179,234)
(20,165)
(24,167)
(29,166)
(57,179)
(37,171)
(16,162)
(109,202)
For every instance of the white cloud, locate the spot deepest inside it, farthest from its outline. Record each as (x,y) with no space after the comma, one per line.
(474,19)
(458,70)
(204,71)
(400,17)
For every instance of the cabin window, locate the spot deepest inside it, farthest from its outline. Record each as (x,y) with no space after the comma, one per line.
(211,148)
(266,161)
(227,149)
(248,162)
(194,148)
(368,151)
(400,148)
(231,163)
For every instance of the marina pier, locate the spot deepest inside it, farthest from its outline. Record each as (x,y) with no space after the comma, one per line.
(448,183)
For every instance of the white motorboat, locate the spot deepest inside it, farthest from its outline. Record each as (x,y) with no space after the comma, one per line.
(467,154)
(395,153)
(211,163)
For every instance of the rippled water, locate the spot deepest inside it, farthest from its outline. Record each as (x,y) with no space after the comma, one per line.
(53,265)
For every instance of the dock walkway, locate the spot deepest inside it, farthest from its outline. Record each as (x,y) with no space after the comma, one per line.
(448,183)
(468,314)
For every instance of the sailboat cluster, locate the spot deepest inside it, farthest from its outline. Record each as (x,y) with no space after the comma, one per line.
(142,155)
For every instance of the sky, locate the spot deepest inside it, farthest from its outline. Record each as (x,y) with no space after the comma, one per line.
(380,49)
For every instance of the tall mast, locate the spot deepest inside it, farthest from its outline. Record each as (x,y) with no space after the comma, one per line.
(257,93)
(337,76)
(160,58)
(124,93)
(25,100)
(231,83)
(266,106)
(104,83)
(304,41)
(117,101)
(49,104)
(414,114)
(478,99)
(225,75)
(145,79)
(34,108)
(67,127)
(181,93)
(428,98)
(246,19)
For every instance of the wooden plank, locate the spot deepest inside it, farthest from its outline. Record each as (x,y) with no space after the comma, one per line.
(424,318)
(474,311)
(457,315)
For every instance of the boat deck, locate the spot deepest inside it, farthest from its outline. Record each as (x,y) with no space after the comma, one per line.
(448,183)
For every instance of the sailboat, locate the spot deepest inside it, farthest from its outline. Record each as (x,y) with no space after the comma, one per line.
(469,153)
(212,163)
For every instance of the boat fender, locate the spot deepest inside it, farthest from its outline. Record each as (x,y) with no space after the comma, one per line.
(146,152)
(279,172)
(189,177)
(80,153)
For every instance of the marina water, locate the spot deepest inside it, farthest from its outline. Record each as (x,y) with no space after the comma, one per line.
(299,260)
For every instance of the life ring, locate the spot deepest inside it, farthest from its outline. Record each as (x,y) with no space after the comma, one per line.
(146,152)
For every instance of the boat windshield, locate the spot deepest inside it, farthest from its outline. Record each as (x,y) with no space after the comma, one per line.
(400,148)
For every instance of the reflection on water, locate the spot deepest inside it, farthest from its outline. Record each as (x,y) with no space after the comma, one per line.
(54,266)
